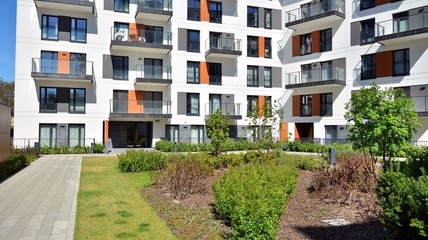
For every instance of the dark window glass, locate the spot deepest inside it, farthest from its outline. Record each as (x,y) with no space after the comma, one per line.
(47,135)
(268,77)
(252,16)
(252,46)
(215,12)
(401,21)
(252,76)
(306,105)
(327,71)
(305,10)
(196,134)
(120,67)
(326,40)
(215,103)
(326,104)
(368,66)
(268,18)
(401,62)
(268,48)
(48,99)
(252,105)
(49,62)
(193,104)
(121,5)
(78,63)
(214,72)
(367,31)
(153,68)
(193,72)
(77,100)
(193,9)
(121,32)
(172,133)
(365,4)
(153,34)
(78,30)
(49,27)
(193,41)
(305,44)
(76,135)
(306,73)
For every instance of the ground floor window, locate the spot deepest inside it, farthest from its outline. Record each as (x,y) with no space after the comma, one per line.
(47,135)
(197,134)
(76,135)
(172,133)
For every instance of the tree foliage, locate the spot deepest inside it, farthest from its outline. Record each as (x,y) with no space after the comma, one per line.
(7,92)
(218,130)
(381,122)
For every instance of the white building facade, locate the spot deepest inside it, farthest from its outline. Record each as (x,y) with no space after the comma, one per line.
(137,71)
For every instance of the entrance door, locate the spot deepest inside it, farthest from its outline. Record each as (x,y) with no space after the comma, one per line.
(139,134)
(304,131)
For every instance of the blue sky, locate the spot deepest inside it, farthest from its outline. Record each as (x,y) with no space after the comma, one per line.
(7,39)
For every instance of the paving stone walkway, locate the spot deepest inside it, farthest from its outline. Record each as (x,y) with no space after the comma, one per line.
(40,201)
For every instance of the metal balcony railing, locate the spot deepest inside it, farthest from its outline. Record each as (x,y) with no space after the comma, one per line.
(313,9)
(155,72)
(403,24)
(316,75)
(221,43)
(421,103)
(140,106)
(55,66)
(165,5)
(231,108)
(141,36)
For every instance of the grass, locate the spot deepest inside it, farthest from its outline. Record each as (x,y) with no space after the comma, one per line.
(111,207)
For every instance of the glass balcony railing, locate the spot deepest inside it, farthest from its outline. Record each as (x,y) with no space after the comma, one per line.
(55,66)
(154,72)
(165,5)
(313,9)
(140,107)
(140,36)
(316,75)
(231,108)
(403,24)
(421,103)
(221,43)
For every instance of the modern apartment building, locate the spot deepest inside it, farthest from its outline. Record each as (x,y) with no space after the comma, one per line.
(137,71)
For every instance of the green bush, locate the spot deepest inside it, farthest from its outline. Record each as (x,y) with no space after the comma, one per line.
(252,198)
(404,201)
(302,162)
(98,148)
(16,162)
(65,150)
(140,160)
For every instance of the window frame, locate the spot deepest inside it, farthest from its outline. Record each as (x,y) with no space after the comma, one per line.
(371,66)
(189,41)
(255,18)
(196,74)
(189,104)
(219,18)
(406,62)
(44,101)
(268,48)
(52,127)
(80,138)
(324,103)
(305,43)
(251,109)
(270,77)
(200,139)
(325,41)
(368,6)
(72,62)
(75,30)
(74,103)
(126,2)
(47,26)
(125,59)
(214,79)
(371,39)
(168,128)
(249,48)
(196,10)
(306,100)
(266,12)
(255,70)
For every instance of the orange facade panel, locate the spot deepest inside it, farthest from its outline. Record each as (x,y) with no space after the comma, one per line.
(295,46)
(283,131)
(135,101)
(261,104)
(64,62)
(296,106)
(384,64)
(205,14)
(135,31)
(204,77)
(316,104)
(261,47)
(106,136)
(315,41)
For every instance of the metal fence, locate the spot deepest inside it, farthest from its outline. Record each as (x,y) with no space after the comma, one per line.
(25,143)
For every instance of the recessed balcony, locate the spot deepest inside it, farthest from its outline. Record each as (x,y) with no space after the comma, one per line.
(421,105)
(85,6)
(142,109)
(149,75)
(333,76)
(62,70)
(233,109)
(403,29)
(140,40)
(315,13)
(159,10)
(220,47)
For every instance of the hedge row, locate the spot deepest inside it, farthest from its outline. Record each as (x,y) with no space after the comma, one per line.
(15,163)
(98,148)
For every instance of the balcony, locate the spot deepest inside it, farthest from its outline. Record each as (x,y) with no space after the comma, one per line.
(159,10)
(127,109)
(234,109)
(140,40)
(62,70)
(219,47)
(404,29)
(333,76)
(149,75)
(321,12)
(85,6)
(421,105)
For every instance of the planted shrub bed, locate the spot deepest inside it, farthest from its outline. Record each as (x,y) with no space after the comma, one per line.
(139,160)
(98,148)
(15,163)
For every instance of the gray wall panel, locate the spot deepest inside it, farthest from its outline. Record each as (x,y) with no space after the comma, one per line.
(355,33)
(107,66)
(276,19)
(261,76)
(184,133)
(182,39)
(181,103)
(109,5)
(276,77)
(261,17)
(227,98)
(62,134)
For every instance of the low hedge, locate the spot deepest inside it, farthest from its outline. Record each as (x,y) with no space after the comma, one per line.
(140,160)
(15,163)
(252,198)
(98,148)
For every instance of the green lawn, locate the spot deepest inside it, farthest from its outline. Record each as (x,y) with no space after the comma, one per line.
(110,206)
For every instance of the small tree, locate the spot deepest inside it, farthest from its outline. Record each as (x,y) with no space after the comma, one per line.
(380,122)
(218,130)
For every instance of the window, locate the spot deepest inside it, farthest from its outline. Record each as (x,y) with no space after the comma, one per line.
(326,104)
(48,98)
(47,135)
(121,6)
(215,103)
(196,134)
(193,72)
(153,34)
(305,44)
(153,68)
(215,12)
(401,22)
(252,76)
(193,104)
(268,47)
(268,18)
(305,10)
(252,46)
(267,77)
(252,105)
(366,4)
(214,72)
(120,68)
(121,32)
(306,105)
(78,30)
(76,135)
(172,133)
(306,73)
(326,36)
(78,63)
(401,62)
(252,16)
(77,100)
(193,41)
(49,27)
(368,66)
(193,10)
(49,62)
(367,31)
(327,71)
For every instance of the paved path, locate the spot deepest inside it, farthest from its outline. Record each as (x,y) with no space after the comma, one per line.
(40,201)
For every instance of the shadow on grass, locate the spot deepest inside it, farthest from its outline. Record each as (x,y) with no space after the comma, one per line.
(369,231)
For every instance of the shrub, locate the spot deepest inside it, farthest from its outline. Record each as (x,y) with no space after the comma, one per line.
(140,160)
(98,148)
(251,198)
(303,162)
(404,202)
(65,150)
(16,162)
